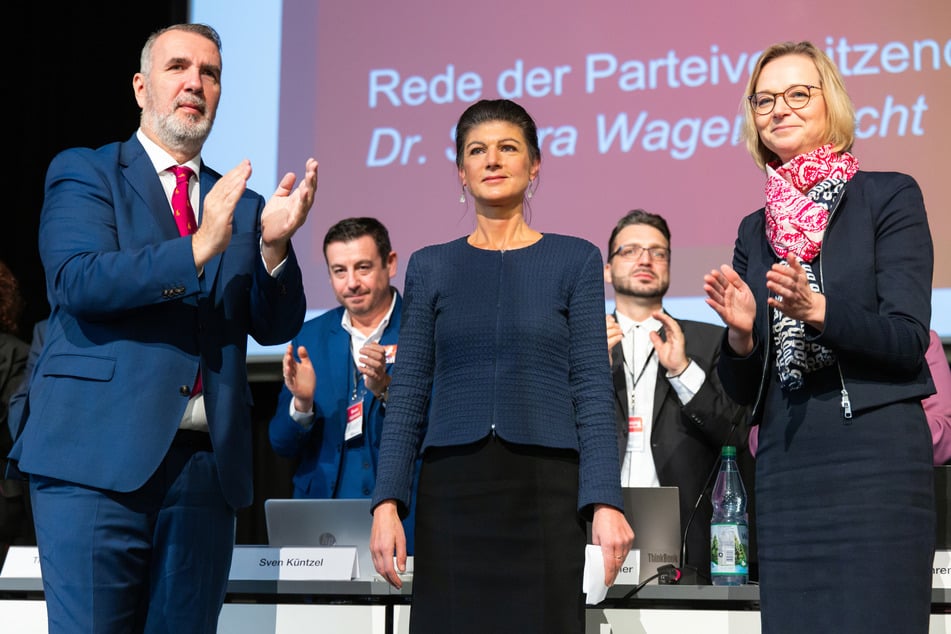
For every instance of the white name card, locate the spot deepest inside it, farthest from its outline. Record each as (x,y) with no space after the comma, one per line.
(22,562)
(942,569)
(592,584)
(248,563)
(336,563)
(630,573)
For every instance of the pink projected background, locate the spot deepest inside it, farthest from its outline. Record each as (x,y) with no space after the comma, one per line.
(636,107)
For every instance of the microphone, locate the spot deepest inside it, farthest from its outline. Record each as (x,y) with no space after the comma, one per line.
(696,506)
(666,575)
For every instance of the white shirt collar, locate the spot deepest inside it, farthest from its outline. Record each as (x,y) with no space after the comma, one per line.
(162,160)
(628,325)
(377,333)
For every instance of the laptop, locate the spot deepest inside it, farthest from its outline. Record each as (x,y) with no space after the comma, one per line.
(654,514)
(321,523)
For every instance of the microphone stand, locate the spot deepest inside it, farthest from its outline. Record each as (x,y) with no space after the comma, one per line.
(696,506)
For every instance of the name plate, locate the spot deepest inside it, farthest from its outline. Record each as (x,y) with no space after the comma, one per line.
(336,563)
(630,573)
(22,562)
(592,584)
(340,563)
(942,569)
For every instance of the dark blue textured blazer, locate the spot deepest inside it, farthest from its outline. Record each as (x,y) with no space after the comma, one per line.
(506,342)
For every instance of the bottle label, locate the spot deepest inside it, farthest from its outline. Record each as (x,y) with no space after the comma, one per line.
(728,554)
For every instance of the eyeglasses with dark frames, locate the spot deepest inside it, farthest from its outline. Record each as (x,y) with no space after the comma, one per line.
(634,251)
(796,97)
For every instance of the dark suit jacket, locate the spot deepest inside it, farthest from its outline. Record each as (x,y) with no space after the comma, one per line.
(16,518)
(131,322)
(14,353)
(18,398)
(686,439)
(875,270)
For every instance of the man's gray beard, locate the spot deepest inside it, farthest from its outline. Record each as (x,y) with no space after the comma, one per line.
(183,137)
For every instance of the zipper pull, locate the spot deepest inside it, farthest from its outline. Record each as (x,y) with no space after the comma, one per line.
(846,405)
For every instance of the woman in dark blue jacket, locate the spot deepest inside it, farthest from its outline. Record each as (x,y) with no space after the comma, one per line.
(828,304)
(504,386)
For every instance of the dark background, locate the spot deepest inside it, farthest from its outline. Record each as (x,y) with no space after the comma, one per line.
(76,90)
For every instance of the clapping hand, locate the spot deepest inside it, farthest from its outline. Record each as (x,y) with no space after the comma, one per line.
(733,301)
(286,212)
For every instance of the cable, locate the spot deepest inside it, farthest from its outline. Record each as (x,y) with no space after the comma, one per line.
(668,574)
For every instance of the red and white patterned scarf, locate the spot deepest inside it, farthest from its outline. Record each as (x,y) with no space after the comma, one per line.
(799,196)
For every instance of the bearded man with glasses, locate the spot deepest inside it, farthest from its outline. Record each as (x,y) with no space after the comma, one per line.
(673,415)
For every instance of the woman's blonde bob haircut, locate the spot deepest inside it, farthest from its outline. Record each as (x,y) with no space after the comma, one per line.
(840,113)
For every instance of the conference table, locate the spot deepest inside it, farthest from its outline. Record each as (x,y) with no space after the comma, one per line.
(372,606)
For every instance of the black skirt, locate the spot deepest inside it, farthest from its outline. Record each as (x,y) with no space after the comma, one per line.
(499,541)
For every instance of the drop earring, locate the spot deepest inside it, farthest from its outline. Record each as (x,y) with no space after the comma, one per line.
(462,196)
(529,193)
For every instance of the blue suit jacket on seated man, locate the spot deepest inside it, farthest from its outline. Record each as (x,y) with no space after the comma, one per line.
(337,372)
(329,465)
(135,511)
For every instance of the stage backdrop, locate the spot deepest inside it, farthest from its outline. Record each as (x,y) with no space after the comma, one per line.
(638,105)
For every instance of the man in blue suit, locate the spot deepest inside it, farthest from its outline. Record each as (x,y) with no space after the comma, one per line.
(331,409)
(137,461)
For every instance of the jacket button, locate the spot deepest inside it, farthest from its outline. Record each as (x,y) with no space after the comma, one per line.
(184,390)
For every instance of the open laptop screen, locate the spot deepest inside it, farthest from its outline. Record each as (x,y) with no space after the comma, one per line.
(322,523)
(654,514)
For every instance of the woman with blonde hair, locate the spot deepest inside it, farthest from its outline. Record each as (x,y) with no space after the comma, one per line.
(827,306)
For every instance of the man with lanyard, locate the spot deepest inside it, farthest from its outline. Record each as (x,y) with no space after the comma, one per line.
(331,409)
(672,413)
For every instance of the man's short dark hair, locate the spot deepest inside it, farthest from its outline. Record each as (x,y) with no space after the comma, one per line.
(349,229)
(639,217)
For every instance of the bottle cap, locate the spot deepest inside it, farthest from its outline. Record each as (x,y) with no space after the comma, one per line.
(728,451)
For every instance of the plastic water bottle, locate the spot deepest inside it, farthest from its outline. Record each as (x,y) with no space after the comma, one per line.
(729,528)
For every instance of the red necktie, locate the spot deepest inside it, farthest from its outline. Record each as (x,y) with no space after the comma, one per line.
(185,219)
(181,205)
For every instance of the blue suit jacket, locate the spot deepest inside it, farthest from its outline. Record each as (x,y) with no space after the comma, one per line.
(321,448)
(131,321)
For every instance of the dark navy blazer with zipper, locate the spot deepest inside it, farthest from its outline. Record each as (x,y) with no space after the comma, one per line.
(875,269)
